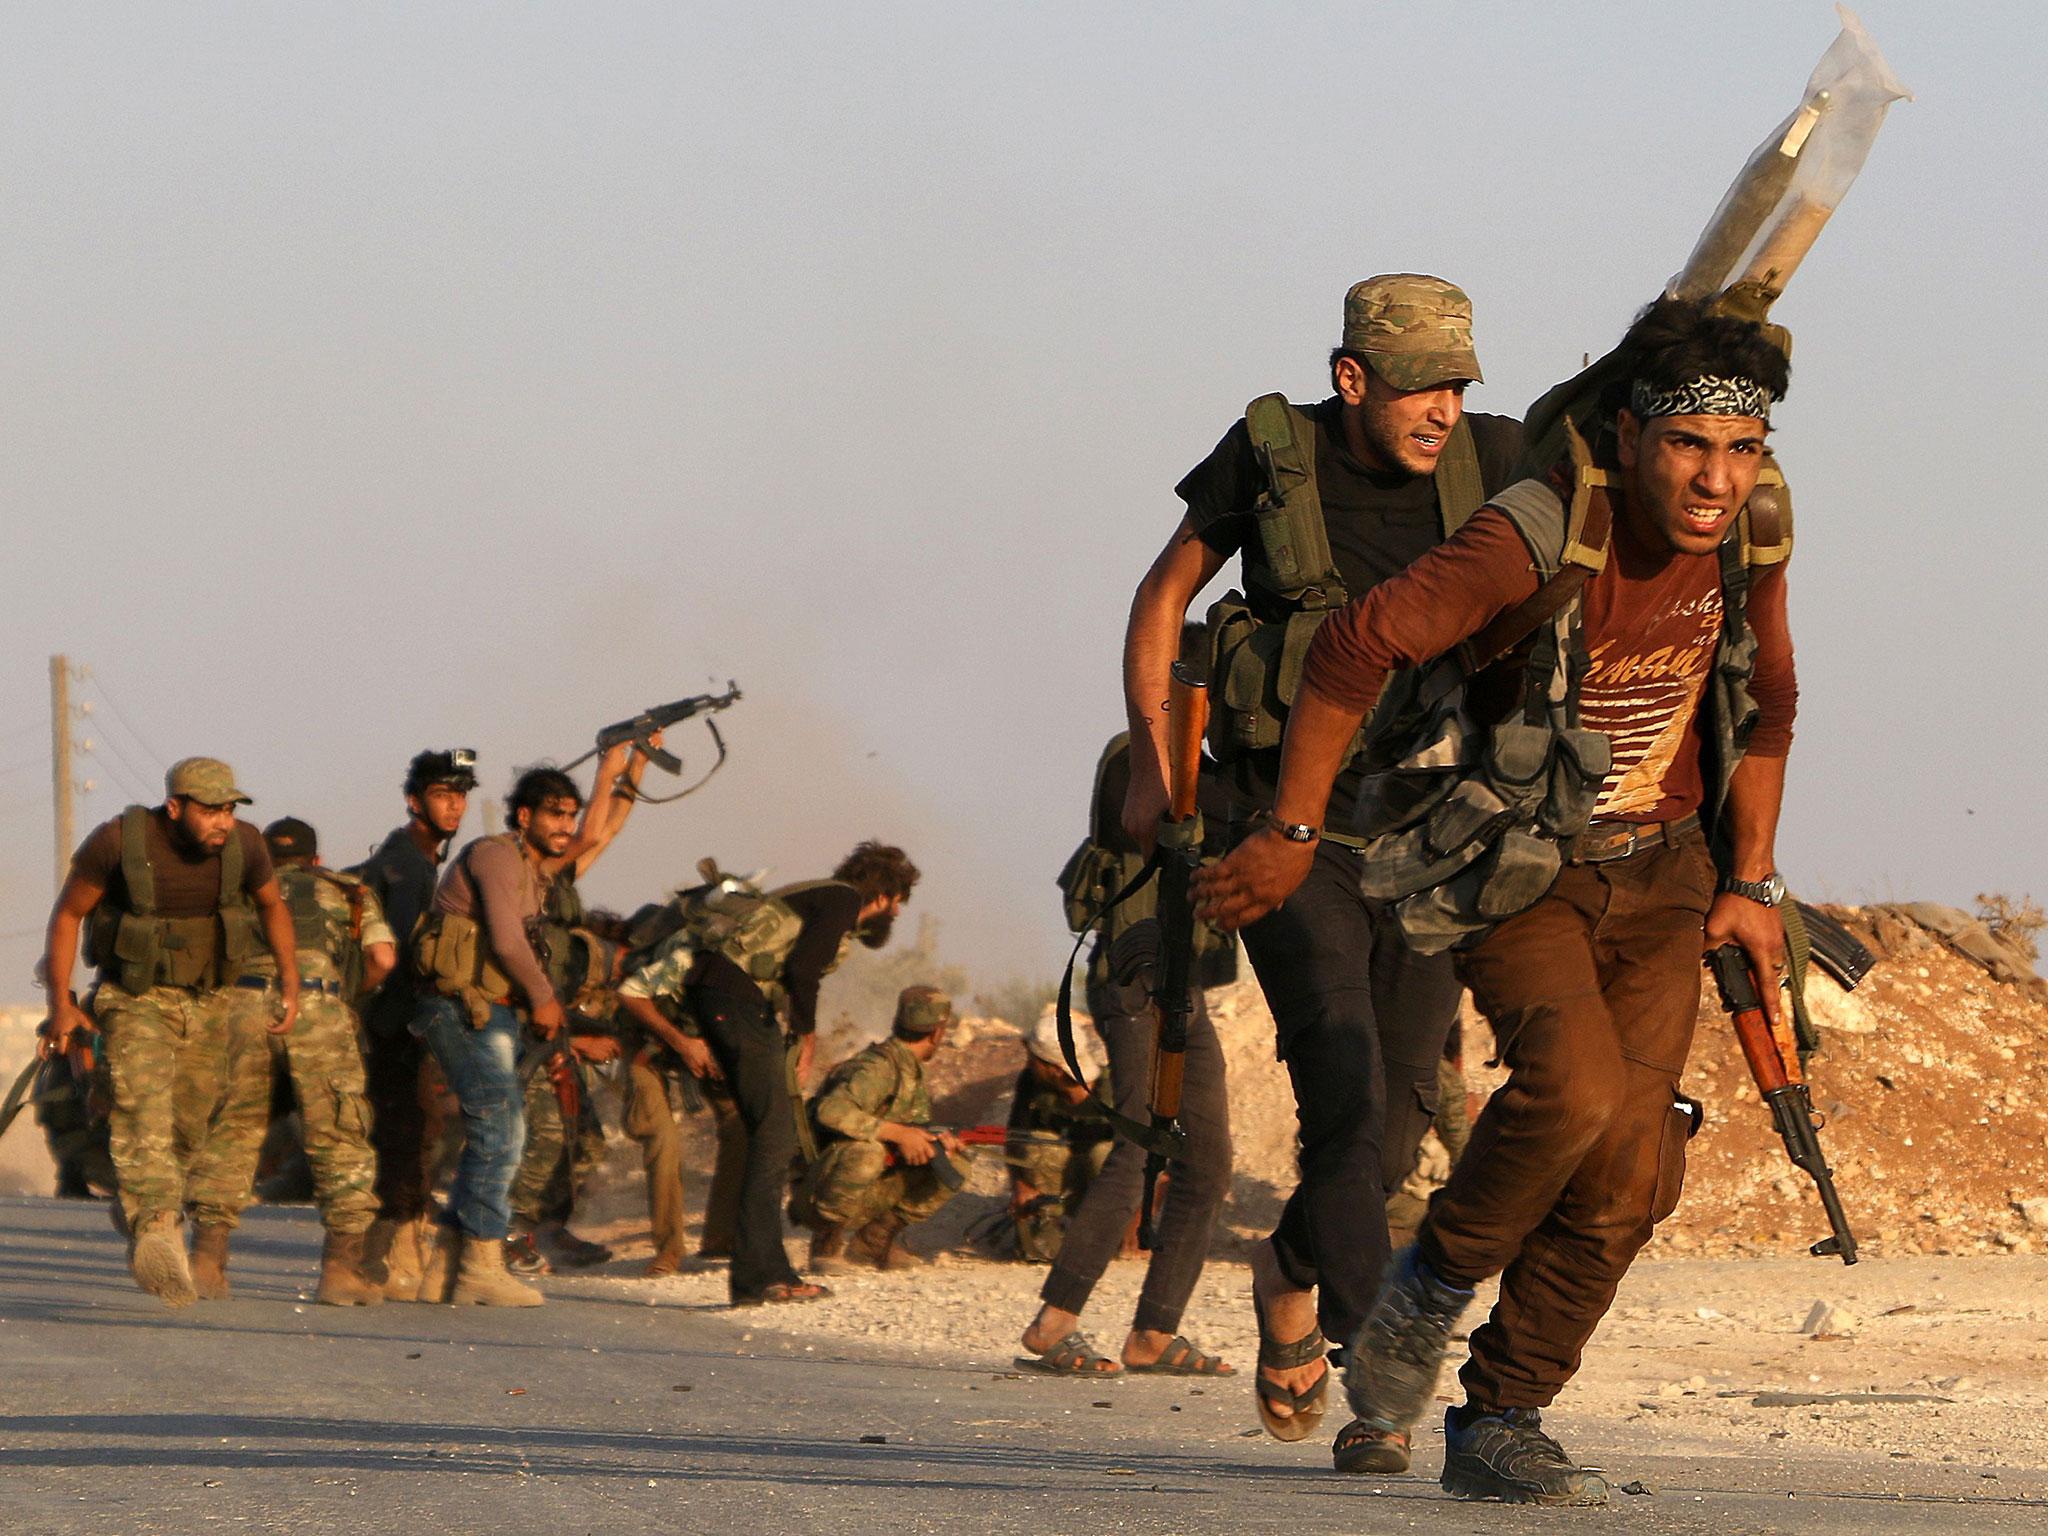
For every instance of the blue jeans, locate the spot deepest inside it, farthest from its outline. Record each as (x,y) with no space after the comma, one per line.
(480,1065)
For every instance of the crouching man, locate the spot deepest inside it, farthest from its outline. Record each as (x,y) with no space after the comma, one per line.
(879,1167)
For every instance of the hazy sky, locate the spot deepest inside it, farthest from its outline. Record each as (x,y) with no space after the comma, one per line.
(386,376)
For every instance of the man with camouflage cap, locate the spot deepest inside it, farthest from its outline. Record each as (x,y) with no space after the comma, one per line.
(879,1168)
(1322,503)
(344,950)
(172,901)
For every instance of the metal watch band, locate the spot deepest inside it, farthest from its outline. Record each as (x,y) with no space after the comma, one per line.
(1294,831)
(1766,891)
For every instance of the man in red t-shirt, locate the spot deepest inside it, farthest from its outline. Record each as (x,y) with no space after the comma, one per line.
(1593,991)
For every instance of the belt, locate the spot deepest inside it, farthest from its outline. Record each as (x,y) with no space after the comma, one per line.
(1605,841)
(306,984)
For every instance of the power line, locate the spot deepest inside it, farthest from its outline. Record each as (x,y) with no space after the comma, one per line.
(127,725)
(93,747)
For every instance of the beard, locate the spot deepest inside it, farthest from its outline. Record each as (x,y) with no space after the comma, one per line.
(874,933)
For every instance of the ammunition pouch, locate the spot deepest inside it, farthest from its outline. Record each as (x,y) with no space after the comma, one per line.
(451,954)
(138,948)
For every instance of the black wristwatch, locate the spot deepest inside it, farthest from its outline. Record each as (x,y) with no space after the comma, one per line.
(1769,891)
(1294,831)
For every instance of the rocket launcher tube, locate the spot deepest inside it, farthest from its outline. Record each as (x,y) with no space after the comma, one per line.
(1798,176)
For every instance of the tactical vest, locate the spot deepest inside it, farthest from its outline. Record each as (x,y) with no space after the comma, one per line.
(580,964)
(137,949)
(1464,818)
(453,955)
(336,937)
(1259,637)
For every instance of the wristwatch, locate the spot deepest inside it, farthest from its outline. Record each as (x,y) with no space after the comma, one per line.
(1769,891)
(1294,831)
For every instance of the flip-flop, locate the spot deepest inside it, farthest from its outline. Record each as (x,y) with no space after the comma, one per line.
(1181,1358)
(1305,1407)
(1072,1356)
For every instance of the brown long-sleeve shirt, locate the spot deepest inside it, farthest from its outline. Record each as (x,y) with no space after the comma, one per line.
(493,873)
(1651,618)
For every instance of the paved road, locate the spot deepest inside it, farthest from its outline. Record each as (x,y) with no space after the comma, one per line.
(599,1414)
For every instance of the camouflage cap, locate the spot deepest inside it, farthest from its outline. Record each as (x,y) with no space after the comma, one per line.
(1415,330)
(205,779)
(920,1010)
(290,838)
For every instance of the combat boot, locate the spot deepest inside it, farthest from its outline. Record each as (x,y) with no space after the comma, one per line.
(209,1267)
(342,1281)
(876,1244)
(156,1257)
(439,1249)
(828,1249)
(1399,1352)
(483,1280)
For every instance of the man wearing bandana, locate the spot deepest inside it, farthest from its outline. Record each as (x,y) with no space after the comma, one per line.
(1593,991)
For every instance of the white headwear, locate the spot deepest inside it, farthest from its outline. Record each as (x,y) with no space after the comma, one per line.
(1044,1042)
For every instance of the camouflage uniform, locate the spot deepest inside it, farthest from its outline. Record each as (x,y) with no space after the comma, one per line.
(852,1183)
(1059,1153)
(324,1055)
(165,1038)
(543,1187)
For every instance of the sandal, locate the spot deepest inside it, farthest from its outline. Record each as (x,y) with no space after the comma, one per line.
(1072,1356)
(1363,1447)
(784,1291)
(1181,1358)
(1305,1407)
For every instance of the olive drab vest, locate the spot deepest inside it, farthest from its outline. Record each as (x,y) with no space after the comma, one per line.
(320,927)
(453,954)
(753,928)
(1259,637)
(137,949)
(1463,821)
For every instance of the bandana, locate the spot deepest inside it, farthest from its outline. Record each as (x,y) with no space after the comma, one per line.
(1708,395)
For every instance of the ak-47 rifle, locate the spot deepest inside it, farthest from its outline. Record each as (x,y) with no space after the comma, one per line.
(557,1058)
(640,730)
(39,1080)
(1773,1057)
(1180,855)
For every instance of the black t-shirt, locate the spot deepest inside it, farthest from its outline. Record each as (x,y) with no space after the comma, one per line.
(1379,523)
(403,878)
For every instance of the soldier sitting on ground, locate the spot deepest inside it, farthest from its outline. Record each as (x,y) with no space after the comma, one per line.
(1058,1138)
(879,1168)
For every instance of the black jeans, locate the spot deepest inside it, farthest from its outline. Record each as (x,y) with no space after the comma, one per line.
(748,1046)
(1195,1187)
(1361,1022)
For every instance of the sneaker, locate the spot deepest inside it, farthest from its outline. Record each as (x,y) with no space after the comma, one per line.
(577,1252)
(1400,1349)
(523,1257)
(1507,1456)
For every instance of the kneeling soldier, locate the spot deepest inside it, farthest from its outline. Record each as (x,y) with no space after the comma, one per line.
(1058,1138)
(879,1169)
(345,949)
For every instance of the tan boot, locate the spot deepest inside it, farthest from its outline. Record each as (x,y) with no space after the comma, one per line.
(484,1281)
(876,1244)
(342,1281)
(209,1268)
(156,1257)
(440,1247)
(391,1257)
(828,1249)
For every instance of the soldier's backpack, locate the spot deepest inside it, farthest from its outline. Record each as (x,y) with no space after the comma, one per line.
(1259,637)
(1463,814)
(732,916)
(336,934)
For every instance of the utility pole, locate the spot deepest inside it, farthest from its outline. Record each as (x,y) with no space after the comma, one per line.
(61,781)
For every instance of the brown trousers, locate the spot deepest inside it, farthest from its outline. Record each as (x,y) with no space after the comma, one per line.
(1592,994)
(650,1122)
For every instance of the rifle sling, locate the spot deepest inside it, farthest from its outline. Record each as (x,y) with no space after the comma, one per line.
(1159,1141)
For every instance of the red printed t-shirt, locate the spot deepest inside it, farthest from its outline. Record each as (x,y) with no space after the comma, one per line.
(1650,622)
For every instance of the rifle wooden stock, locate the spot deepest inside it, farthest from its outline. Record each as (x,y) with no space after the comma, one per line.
(1773,1059)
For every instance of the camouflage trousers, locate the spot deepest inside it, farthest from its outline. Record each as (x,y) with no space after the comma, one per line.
(167,1061)
(852,1184)
(324,1056)
(1061,1173)
(544,1187)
